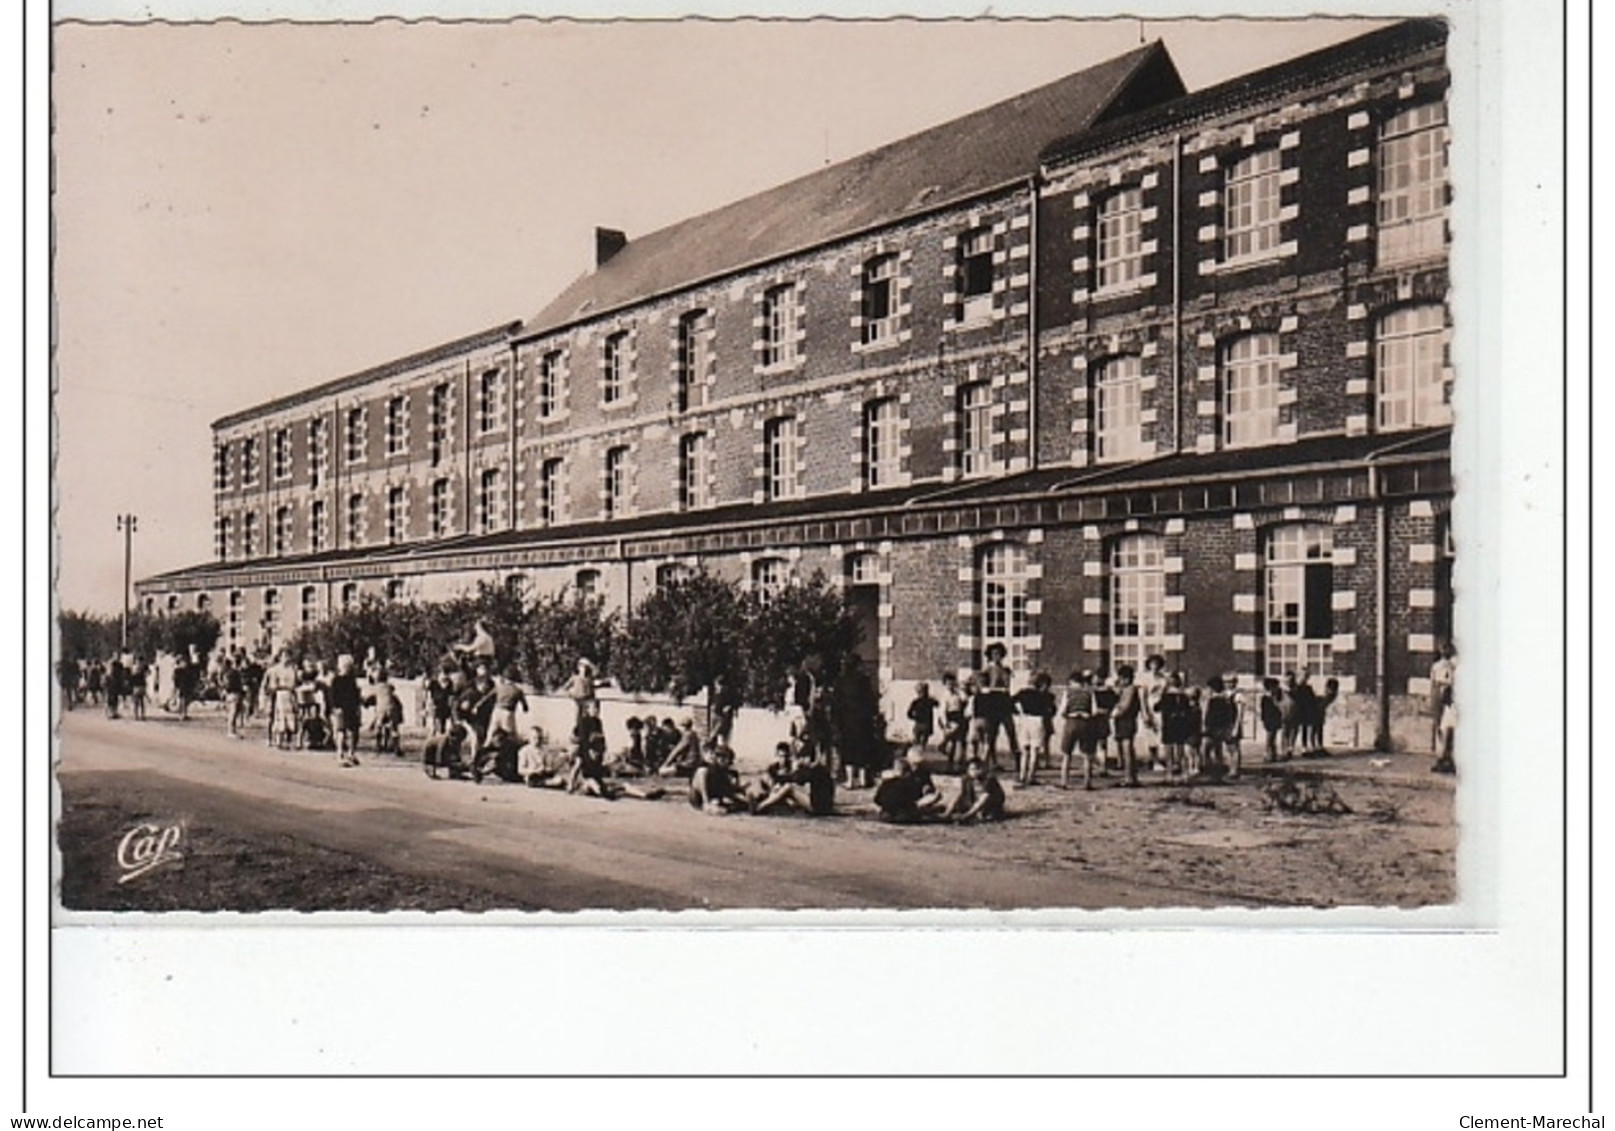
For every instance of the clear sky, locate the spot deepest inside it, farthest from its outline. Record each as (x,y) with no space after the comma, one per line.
(246,210)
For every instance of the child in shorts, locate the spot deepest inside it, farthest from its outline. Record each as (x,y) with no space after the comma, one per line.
(922,713)
(980,798)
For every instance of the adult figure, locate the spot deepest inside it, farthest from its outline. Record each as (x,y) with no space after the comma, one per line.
(67,678)
(1443,709)
(343,702)
(1151,685)
(280,685)
(856,722)
(114,686)
(995,707)
(810,695)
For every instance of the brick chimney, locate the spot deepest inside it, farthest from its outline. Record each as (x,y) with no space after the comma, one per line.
(607,242)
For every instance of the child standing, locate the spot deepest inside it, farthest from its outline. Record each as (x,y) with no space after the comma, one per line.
(1035,707)
(1271,710)
(1124,722)
(1173,709)
(954,720)
(1221,720)
(1080,730)
(922,713)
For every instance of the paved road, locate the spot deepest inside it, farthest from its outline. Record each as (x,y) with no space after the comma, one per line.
(545,849)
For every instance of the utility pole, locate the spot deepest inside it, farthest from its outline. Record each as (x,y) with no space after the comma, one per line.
(126,523)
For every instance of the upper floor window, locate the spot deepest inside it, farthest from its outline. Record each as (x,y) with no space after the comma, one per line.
(615,494)
(690,362)
(881,453)
(1137,599)
(548,393)
(1411,368)
(318,450)
(1300,580)
(1251,205)
(614,369)
(223,535)
(1118,396)
(317,528)
(438,511)
(552,492)
(780,315)
(395,514)
(355,519)
(221,466)
(976,428)
(490,400)
(397,424)
(1120,258)
(1250,375)
(283,530)
(780,478)
(249,461)
(249,535)
(693,471)
(1412,204)
(281,453)
(976,275)
(879,305)
(490,498)
(1003,601)
(353,435)
(437,423)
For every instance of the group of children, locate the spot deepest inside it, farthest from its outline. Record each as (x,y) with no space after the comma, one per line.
(1190,732)
(315,705)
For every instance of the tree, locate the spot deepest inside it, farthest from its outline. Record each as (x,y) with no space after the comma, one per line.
(682,638)
(559,629)
(786,627)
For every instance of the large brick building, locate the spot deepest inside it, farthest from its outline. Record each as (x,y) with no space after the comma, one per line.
(1107,369)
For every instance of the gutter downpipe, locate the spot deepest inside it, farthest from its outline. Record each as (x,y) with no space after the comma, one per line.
(511,417)
(1382,695)
(1033,184)
(1177,294)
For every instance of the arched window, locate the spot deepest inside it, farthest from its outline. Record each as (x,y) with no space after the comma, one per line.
(1250,384)
(671,573)
(310,605)
(770,576)
(350,596)
(587,585)
(1117,410)
(1300,581)
(171,605)
(1003,577)
(1410,368)
(233,618)
(272,617)
(1137,599)
(203,602)
(516,584)
(395,590)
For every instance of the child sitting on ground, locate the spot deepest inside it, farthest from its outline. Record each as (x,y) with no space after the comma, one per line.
(684,755)
(980,798)
(539,766)
(906,793)
(715,788)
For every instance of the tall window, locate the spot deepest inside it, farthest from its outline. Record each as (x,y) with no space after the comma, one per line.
(586,585)
(233,617)
(319,450)
(1412,204)
(780,478)
(397,424)
(203,602)
(355,519)
(552,492)
(395,514)
(489,488)
(350,596)
(880,299)
(1003,600)
(693,471)
(690,366)
(770,576)
(394,590)
(671,573)
(976,275)
(309,605)
(1250,376)
(223,535)
(437,423)
(1251,205)
(249,461)
(615,493)
(281,453)
(318,531)
(221,466)
(779,325)
(881,456)
(353,435)
(438,515)
(1118,423)
(976,428)
(614,368)
(272,617)
(490,400)
(1137,599)
(249,535)
(1300,589)
(1411,368)
(283,529)
(1120,256)
(549,384)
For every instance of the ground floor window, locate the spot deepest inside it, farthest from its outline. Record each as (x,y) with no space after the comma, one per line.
(1137,600)
(1300,581)
(1003,598)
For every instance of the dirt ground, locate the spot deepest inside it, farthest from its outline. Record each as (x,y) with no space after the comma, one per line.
(1160,845)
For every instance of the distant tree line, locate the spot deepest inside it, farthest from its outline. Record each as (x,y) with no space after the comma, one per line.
(92,636)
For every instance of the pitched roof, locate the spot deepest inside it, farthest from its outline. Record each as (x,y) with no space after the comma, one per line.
(979,152)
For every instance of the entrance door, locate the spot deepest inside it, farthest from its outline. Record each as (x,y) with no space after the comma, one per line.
(864,601)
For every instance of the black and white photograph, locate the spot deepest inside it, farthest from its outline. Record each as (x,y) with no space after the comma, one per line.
(1029,477)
